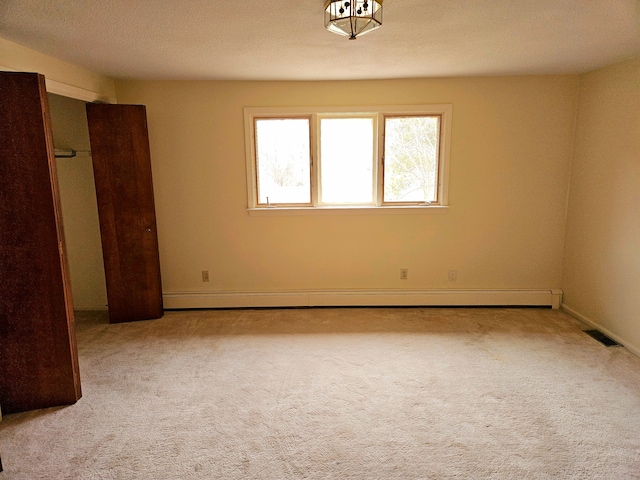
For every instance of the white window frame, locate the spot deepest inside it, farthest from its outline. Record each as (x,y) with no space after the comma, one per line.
(378,113)
(374,164)
(254,162)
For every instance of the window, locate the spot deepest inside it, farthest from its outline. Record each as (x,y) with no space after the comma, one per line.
(411,160)
(340,158)
(346,161)
(283,165)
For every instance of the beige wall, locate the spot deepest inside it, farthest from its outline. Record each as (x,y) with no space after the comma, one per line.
(512,141)
(63,78)
(601,277)
(511,159)
(79,207)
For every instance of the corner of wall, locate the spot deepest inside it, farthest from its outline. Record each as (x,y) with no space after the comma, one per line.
(63,78)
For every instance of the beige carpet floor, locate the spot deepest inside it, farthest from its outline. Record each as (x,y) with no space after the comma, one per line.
(367,393)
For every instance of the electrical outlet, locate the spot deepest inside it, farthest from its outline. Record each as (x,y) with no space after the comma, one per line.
(404,273)
(205,275)
(453,275)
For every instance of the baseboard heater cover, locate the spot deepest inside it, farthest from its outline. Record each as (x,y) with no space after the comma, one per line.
(343,298)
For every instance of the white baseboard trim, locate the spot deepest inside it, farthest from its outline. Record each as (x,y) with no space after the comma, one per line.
(363,298)
(629,346)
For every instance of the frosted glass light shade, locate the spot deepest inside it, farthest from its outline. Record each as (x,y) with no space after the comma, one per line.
(352,17)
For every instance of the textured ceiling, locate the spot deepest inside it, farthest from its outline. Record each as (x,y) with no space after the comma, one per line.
(286,40)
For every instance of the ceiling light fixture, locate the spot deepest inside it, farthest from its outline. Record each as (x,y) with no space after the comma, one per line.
(352,18)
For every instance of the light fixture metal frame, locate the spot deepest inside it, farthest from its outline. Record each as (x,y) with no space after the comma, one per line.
(351,18)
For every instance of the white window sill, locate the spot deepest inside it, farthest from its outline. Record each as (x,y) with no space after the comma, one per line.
(350,210)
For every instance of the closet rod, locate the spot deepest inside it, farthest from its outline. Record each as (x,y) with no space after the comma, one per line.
(69,152)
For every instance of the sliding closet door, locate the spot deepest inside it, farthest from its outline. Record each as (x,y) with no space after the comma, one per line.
(38,353)
(124,189)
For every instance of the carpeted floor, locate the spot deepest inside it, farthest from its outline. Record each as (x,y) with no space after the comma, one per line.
(367,393)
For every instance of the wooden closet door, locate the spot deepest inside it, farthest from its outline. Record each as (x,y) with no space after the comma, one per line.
(38,352)
(124,189)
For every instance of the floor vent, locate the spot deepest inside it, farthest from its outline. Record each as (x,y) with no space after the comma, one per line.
(602,338)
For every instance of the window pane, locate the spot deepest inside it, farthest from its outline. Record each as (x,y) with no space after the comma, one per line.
(283,160)
(411,159)
(346,160)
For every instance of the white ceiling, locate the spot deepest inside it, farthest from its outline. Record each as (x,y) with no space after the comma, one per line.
(286,39)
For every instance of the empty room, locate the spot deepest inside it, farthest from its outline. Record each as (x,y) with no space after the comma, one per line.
(320,239)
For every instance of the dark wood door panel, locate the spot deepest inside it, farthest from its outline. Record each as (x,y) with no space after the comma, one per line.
(38,352)
(124,189)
